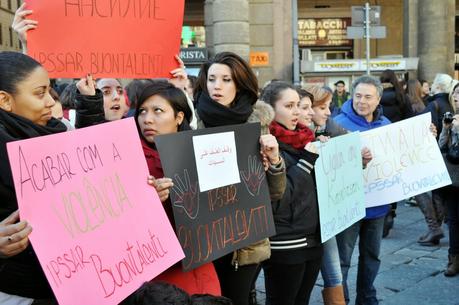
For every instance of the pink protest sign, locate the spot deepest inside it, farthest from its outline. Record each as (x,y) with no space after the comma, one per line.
(99,230)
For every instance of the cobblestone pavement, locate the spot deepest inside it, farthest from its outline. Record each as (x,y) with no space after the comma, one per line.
(410,274)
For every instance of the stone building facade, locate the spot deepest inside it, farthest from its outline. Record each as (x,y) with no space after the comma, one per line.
(421,29)
(8,39)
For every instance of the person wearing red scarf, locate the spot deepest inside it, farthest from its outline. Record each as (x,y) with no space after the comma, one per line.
(163,109)
(296,249)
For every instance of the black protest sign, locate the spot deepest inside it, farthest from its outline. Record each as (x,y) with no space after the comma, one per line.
(216,222)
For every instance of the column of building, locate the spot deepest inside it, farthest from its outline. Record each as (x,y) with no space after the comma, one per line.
(227,26)
(435,38)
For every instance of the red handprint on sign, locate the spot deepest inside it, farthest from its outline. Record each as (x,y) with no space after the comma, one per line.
(186,195)
(253,176)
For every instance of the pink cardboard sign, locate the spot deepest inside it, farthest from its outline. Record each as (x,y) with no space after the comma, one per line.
(107,38)
(99,230)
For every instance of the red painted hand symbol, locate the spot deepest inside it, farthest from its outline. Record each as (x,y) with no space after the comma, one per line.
(186,195)
(253,176)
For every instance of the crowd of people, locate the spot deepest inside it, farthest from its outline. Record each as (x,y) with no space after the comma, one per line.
(225,93)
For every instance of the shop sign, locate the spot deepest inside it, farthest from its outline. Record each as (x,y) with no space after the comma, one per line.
(323,32)
(359,65)
(259,59)
(381,65)
(189,55)
(329,66)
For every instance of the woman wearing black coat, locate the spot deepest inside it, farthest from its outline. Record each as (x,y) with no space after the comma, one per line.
(395,103)
(396,107)
(296,249)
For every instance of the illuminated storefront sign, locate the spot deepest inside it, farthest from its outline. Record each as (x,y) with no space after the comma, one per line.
(323,32)
(358,65)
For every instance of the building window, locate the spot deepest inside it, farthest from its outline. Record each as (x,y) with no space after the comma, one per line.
(193,36)
(1,34)
(9,5)
(11,36)
(18,3)
(456,37)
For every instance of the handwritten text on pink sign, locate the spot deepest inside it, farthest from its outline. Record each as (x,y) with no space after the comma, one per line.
(100,230)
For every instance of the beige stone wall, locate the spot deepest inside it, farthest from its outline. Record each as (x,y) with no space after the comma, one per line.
(271,31)
(6,18)
(231,27)
(436,38)
(283,40)
(227,26)
(392,18)
(261,20)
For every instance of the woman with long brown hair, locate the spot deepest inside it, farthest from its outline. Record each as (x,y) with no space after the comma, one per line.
(292,270)
(226,93)
(414,92)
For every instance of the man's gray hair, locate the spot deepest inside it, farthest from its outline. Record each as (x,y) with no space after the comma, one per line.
(370,80)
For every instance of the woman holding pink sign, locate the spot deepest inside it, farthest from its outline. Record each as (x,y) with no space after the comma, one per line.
(25,112)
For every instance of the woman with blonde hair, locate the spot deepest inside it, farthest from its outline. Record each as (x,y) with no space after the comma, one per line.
(440,103)
(325,127)
(322,124)
(449,139)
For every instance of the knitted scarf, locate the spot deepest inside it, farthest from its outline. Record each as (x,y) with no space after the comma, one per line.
(297,138)
(13,128)
(214,114)
(152,157)
(156,170)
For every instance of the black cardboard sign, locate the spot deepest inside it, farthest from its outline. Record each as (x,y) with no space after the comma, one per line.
(214,223)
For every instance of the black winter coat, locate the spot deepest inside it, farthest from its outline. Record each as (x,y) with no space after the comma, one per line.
(438,106)
(89,109)
(394,109)
(296,215)
(21,274)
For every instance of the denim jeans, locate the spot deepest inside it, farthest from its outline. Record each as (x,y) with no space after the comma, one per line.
(9,299)
(331,268)
(369,232)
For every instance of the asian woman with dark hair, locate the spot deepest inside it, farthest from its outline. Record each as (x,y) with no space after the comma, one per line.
(163,109)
